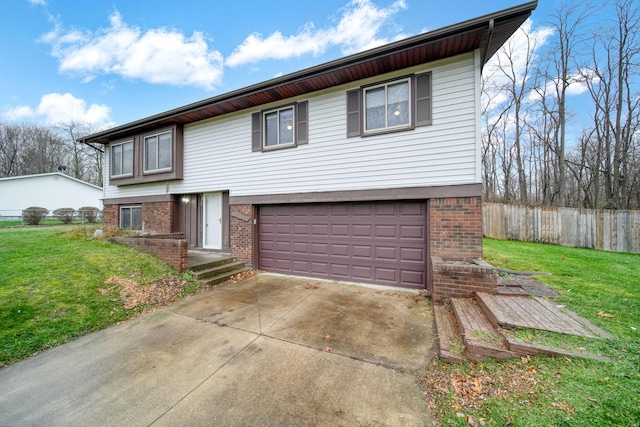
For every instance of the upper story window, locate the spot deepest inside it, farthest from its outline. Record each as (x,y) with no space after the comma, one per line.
(154,155)
(286,126)
(396,105)
(157,152)
(122,159)
(279,127)
(387,106)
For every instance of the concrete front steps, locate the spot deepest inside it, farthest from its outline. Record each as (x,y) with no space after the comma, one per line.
(466,332)
(218,270)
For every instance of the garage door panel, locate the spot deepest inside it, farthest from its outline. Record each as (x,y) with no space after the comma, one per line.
(320,249)
(372,242)
(386,231)
(362,251)
(413,254)
(339,250)
(412,232)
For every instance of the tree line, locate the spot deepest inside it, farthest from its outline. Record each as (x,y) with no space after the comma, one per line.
(30,149)
(535,149)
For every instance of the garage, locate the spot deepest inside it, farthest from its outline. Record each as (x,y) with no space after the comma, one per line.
(381,243)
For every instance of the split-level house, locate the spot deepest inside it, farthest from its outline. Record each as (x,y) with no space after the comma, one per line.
(361,169)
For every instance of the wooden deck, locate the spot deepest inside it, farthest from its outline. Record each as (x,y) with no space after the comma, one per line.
(537,313)
(479,328)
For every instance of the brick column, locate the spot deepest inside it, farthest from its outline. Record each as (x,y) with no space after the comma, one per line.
(456,228)
(241,234)
(111,216)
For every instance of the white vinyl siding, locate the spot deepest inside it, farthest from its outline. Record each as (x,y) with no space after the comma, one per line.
(218,152)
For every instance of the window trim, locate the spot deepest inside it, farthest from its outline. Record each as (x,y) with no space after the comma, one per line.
(146,171)
(111,163)
(130,208)
(420,102)
(277,110)
(386,84)
(139,175)
(300,127)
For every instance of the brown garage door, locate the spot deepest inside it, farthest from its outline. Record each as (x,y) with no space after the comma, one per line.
(377,242)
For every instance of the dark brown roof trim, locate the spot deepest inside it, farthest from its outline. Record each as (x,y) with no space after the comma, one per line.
(486,33)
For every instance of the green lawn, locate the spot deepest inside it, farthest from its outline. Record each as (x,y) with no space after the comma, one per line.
(603,287)
(52,286)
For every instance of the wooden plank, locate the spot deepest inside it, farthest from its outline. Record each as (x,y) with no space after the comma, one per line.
(503,315)
(448,333)
(597,331)
(566,324)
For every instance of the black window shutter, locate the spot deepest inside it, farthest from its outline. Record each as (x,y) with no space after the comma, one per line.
(302,116)
(423,99)
(353,113)
(256,132)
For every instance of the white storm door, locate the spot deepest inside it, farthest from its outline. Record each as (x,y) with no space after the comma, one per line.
(212,221)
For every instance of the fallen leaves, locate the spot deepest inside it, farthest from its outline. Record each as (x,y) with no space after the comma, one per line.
(133,295)
(471,390)
(564,406)
(244,275)
(604,314)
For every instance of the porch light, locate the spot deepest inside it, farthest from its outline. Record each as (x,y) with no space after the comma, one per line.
(186,199)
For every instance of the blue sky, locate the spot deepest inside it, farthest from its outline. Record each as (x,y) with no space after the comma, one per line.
(110,62)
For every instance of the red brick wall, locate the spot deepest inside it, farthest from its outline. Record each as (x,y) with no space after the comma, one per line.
(172,251)
(111,216)
(241,233)
(460,280)
(456,228)
(157,217)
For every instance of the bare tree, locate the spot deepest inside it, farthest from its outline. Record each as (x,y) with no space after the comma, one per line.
(86,160)
(569,23)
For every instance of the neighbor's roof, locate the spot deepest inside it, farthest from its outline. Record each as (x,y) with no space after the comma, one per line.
(15,178)
(487,33)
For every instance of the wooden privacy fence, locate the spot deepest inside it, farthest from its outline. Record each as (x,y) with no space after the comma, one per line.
(608,230)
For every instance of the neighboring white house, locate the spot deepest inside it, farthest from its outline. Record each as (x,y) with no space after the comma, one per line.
(49,190)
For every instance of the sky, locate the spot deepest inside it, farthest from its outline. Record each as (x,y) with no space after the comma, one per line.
(111,62)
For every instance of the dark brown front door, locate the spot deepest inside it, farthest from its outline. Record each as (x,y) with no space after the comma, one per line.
(371,242)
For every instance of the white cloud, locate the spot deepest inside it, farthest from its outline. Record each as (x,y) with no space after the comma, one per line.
(356,30)
(38,2)
(57,108)
(161,56)
(18,113)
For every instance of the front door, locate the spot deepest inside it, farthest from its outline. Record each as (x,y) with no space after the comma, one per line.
(212,221)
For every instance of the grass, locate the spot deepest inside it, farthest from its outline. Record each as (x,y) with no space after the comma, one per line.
(44,222)
(603,287)
(52,286)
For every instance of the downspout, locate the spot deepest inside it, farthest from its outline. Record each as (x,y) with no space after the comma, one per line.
(486,45)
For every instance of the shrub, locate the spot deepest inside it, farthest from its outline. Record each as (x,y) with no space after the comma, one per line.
(64,214)
(89,213)
(34,215)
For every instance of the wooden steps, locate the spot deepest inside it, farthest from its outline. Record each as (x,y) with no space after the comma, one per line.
(479,328)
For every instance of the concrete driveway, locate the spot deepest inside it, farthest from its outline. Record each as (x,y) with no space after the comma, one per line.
(271,350)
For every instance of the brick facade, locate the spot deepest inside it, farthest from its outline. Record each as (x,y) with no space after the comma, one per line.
(460,280)
(157,217)
(111,216)
(456,239)
(242,233)
(172,250)
(456,228)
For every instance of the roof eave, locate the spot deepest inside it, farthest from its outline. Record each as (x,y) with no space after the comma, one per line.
(497,28)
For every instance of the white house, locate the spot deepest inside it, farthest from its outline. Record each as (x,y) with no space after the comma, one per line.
(363,169)
(49,190)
